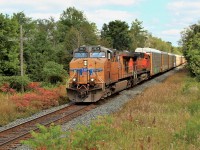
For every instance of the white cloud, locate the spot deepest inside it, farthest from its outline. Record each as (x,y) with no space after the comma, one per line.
(57,4)
(184,5)
(34,6)
(105,16)
(171,32)
(94,9)
(185,12)
(99,3)
(44,15)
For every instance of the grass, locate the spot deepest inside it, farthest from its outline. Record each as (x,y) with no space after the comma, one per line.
(10,112)
(7,109)
(164,116)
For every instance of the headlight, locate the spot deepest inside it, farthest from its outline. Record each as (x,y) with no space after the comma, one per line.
(74,79)
(92,83)
(85,62)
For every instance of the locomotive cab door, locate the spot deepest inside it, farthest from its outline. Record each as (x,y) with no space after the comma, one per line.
(113,67)
(108,67)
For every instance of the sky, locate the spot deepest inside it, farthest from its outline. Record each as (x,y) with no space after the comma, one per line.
(162,18)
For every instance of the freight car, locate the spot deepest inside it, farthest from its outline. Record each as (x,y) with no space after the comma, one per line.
(97,72)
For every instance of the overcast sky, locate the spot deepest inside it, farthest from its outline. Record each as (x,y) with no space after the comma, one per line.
(163,18)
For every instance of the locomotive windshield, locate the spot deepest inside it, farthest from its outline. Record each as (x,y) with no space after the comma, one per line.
(97,54)
(80,55)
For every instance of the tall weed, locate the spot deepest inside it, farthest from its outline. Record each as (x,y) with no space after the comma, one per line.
(7,109)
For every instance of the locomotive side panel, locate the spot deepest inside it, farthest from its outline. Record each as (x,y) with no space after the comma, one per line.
(114,71)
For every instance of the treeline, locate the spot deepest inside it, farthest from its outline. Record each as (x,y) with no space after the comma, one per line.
(190,41)
(48,44)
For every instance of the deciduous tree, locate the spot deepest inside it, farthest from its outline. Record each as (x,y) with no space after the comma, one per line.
(191,48)
(116,33)
(138,34)
(9,47)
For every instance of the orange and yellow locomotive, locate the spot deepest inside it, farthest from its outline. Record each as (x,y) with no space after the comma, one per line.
(97,72)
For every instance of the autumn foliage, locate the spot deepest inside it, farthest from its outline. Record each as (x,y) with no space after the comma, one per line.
(15,105)
(38,97)
(7,89)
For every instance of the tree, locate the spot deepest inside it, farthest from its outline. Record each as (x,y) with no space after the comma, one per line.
(159,44)
(9,47)
(29,29)
(39,52)
(117,33)
(105,39)
(138,35)
(75,19)
(53,72)
(190,41)
(74,30)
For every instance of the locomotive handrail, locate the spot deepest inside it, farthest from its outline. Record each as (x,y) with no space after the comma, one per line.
(103,87)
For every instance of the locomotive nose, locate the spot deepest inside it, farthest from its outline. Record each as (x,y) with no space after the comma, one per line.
(83,72)
(86,73)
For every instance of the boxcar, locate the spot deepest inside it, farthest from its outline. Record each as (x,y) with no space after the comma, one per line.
(178,60)
(165,65)
(171,60)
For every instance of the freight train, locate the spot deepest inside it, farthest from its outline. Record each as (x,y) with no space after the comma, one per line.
(97,72)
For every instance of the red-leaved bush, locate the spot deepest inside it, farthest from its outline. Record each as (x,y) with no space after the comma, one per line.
(33,86)
(39,98)
(7,89)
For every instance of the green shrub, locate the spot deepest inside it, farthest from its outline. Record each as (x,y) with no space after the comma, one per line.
(190,41)
(84,137)
(48,138)
(53,72)
(90,137)
(15,82)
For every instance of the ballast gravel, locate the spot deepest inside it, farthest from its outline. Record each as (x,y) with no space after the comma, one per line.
(113,104)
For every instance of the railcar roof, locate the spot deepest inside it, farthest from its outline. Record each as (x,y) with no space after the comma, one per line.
(147,50)
(91,48)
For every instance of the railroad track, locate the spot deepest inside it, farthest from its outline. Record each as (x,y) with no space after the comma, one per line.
(10,138)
